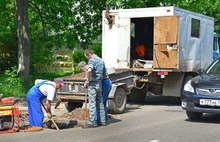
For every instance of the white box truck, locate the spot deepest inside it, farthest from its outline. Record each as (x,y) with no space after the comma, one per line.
(152,50)
(163,46)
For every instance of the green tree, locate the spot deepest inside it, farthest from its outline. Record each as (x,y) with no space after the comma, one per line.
(56,23)
(8,36)
(23,32)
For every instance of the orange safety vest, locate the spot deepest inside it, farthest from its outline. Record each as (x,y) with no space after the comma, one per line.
(140,50)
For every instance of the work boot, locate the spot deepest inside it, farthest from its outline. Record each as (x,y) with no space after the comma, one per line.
(88,126)
(97,124)
(104,124)
(32,129)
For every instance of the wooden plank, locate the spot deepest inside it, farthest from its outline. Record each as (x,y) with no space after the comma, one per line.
(164,58)
(143,69)
(166,30)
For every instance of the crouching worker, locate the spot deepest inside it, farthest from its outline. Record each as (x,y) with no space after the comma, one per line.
(43,89)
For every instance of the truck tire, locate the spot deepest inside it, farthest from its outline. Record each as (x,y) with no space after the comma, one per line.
(117,105)
(137,95)
(194,115)
(70,106)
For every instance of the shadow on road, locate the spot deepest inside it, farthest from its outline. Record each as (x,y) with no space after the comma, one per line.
(161,100)
(151,101)
(62,125)
(113,120)
(206,118)
(158,100)
(67,124)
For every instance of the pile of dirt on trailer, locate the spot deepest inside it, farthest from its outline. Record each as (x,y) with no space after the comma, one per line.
(78,76)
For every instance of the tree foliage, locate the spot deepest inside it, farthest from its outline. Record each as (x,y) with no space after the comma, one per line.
(8,36)
(57,23)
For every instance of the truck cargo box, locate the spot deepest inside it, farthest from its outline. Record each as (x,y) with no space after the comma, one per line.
(174,39)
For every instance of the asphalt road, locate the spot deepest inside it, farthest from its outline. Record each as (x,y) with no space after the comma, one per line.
(155,120)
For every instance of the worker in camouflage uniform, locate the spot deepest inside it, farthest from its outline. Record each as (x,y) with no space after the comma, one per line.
(94,75)
(106,87)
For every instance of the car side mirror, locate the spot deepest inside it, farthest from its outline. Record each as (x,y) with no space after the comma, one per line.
(200,71)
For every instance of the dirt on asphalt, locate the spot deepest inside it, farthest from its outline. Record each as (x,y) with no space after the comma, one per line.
(75,118)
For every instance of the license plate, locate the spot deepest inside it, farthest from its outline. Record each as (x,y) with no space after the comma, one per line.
(5,113)
(209,102)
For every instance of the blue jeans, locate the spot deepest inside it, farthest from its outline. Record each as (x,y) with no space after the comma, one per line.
(106,88)
(95,102)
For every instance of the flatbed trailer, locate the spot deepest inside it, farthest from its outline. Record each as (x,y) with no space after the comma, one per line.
(74,92)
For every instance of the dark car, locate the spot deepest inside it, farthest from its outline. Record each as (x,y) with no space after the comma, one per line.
(201,94)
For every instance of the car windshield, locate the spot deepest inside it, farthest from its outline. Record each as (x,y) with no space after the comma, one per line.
(214,68)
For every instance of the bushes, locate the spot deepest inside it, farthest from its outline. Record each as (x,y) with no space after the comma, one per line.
(97,48)
(12,85)
(78,55)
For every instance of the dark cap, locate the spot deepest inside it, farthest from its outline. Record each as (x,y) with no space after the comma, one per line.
(81,64)
(60,80)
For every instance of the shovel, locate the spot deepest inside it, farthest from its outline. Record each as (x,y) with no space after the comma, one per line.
(50,118)
(58,103)
(86,104)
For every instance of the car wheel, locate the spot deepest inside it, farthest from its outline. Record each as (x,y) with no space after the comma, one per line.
(194,115)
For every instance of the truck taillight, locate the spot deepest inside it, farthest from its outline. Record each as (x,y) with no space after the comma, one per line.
(162,73)
(168,10)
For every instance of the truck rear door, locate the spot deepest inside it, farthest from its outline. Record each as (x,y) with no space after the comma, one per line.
(165,42)
(116,43)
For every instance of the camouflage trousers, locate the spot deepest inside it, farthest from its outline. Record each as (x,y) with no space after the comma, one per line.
(96,102)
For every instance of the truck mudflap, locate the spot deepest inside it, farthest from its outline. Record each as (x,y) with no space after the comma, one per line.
(173,84)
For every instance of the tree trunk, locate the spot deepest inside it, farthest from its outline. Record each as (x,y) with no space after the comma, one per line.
(23,32)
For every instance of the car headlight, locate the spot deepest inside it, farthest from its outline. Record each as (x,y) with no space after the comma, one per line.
(188,87)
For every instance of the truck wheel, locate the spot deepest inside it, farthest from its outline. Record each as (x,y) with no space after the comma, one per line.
(194,115)
(70,106)
(117,105)
(128,98)
(137,95)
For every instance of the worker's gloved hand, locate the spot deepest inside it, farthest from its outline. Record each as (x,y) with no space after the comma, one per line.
(86,84)
(49,115)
